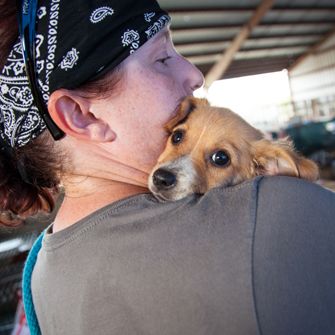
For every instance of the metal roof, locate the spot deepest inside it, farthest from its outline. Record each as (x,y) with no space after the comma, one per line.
(247,36)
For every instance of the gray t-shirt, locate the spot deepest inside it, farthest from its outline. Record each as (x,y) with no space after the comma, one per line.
(257,258)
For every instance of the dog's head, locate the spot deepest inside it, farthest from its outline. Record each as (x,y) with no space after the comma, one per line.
(211,146)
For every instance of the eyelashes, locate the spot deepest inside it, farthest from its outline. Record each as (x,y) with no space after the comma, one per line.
(163,60)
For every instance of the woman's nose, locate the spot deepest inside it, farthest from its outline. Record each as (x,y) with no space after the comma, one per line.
(193,77)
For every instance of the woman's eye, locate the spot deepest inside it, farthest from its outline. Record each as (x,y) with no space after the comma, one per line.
(220,158)
(177,136)
(163,60)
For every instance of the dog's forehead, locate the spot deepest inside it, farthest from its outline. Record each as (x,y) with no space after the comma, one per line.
(220,121)
(215,117)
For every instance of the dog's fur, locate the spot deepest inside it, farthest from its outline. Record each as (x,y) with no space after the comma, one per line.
(187,167)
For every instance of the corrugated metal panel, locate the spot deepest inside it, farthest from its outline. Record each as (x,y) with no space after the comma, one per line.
(203,35)
(287,54)
(204,30)
(208,19)
(291,29)
(320,58)
(264,53)
(194,4)
(280,41)
(315,85)
(294,3)
(285,16)
(315,76)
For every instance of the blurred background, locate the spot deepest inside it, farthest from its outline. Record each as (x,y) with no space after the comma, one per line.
(272,62)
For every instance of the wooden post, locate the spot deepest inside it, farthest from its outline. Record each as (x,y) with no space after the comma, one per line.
(222,65)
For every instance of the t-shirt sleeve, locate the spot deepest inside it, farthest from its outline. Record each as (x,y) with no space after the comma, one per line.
(294,258)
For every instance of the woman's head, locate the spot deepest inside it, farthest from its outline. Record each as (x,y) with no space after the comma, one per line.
(120,115)
(74,42)
(129,122)
(156,79)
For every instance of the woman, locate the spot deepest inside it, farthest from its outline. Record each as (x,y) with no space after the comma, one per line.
(257,258)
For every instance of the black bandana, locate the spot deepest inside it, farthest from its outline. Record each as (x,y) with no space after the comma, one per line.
(75,41)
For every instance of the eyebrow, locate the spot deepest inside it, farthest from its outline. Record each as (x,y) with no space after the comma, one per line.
(160,40)
(164,34)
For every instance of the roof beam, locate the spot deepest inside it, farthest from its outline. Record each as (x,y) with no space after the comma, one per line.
(305,23)
(244,9)
(251,38)
(311,50)
(287,47)
(222,65)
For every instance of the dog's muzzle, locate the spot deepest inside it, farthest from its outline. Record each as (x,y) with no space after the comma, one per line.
(173,180)
(164,179)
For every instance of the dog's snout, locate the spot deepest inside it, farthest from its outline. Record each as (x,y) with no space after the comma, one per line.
(164,179)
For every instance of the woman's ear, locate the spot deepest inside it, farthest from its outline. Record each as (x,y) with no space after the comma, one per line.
(279,158)
(72,114)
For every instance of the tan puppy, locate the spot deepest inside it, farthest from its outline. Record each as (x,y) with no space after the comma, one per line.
(211,146)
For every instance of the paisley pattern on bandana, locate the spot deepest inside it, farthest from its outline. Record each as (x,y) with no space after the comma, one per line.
(19,118)
(41,12)
(70,60)
(148,16)
(66,57)
(131,38)
(100,14)
(157,26)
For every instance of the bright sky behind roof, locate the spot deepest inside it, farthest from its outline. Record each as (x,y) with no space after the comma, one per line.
(253,97)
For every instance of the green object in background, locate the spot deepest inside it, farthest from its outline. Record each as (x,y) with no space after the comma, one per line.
(313,136)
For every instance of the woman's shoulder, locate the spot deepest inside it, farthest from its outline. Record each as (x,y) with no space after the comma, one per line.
(275,198)
(292,184)
(293,192)
(291,206)
(277,189)
(293,257)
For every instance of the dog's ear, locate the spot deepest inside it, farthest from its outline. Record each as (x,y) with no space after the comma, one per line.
(279,158)
(184,110)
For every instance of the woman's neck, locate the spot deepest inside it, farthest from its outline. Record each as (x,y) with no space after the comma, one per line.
(85,195)
(94,178)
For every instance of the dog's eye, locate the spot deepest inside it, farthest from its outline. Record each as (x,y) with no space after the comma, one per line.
(220,158)
(177,136)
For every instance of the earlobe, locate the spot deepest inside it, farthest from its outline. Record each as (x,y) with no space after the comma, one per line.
(73,116)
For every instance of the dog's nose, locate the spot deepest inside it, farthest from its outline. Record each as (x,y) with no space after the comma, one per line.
(164,179)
